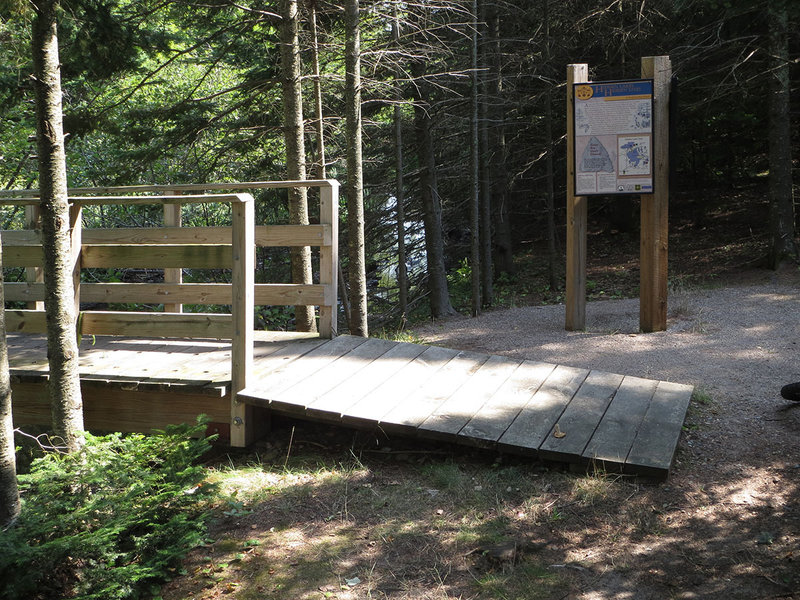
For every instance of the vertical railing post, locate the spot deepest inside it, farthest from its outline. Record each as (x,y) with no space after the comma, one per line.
(75,225)
(34,274)
(172,218)
(243,427)
(329,257)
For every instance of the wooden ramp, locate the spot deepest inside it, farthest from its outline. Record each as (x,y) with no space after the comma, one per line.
(522,407)
(517,406)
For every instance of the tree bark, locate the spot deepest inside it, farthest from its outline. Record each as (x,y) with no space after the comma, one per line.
(503,245)
(9,492)
(355,183)
(552,258)
(780,143)
(484,156)
(475,174)
(59,258)
(402,269)
(295,151)
(321,165)
(439,295)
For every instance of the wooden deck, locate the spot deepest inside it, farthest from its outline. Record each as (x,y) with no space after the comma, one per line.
(553,412)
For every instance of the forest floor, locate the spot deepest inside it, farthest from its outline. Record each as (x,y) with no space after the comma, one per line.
(319,512)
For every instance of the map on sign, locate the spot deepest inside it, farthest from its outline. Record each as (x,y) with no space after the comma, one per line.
(613,137)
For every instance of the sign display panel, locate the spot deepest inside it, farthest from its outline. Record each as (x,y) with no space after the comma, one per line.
(613,137)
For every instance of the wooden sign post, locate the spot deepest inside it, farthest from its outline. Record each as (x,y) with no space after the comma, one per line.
(624,148)
(577,216)
(653,247)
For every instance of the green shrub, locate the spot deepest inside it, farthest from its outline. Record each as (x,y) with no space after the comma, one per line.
(459,282)
(108,522)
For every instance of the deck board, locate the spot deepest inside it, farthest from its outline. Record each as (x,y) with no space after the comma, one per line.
(317,392)
(404,384)
(624,423)
(617,429)
(337,401)
(411,413)
(654,447)
(457,410)
(580,418)
(287,375)
(284,355)
(495,417)
(537,419)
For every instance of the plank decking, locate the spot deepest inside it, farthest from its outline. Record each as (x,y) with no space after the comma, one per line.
(525,407)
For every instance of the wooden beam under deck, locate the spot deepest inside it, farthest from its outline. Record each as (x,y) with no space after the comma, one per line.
(524,407)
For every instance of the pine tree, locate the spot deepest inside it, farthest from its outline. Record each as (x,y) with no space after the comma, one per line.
(57,230)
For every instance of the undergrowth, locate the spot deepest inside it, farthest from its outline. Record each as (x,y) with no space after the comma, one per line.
(111,521)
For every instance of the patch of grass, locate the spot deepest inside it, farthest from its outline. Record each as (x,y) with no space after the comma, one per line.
(399,335)
(678,294)
(699,325)
(593,488)
(405,529)
(702,397)
(526,581)
(701,404)
(446,477)
(646,521)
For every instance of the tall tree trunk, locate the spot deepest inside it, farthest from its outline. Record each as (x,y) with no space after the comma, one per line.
(484,156)
(59,261)
(355,183)
(295,151)
(9,492)
(552,258)
(780,142)
(402,270)
(321,165)
(475,173)
(504,255)
(439,296)
(319,123)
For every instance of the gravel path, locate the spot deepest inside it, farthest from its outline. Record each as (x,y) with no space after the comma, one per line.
(738,344)
(729,515)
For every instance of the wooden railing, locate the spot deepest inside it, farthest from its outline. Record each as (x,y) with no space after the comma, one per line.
(173,248)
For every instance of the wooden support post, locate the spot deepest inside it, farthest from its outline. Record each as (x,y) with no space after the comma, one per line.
(172,218)
(34,274)
(329,258)
(655,207)
(243,425)
(577,216)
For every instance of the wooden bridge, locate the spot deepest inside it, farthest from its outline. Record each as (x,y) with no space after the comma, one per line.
(144,370)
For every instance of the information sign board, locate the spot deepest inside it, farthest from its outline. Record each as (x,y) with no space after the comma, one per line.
(613,137)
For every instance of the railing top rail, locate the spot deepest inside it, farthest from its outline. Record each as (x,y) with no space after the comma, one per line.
(29,196)
(161,199)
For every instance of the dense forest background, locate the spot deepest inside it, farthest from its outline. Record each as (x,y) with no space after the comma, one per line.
(463,125)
